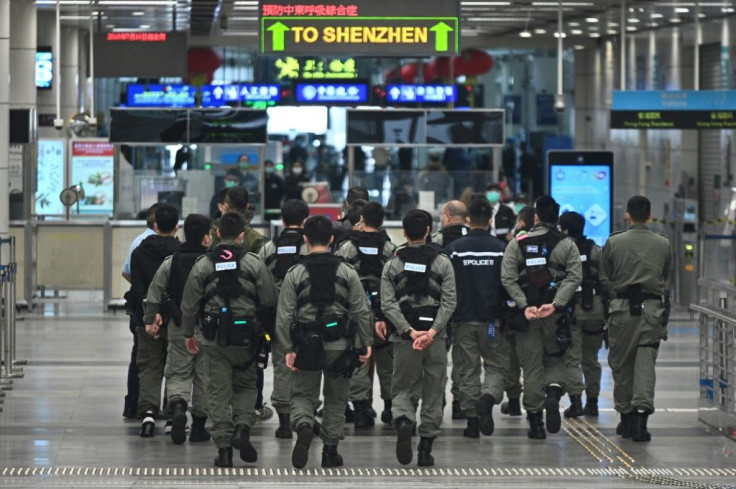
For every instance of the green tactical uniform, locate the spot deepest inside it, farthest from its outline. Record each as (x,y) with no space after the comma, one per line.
(252,242)
(281,374)
(635,257)
(361,383)
(297,309)
(232,372)
(418,375)
(186,374)
(539,354)
(587,333)
(453,232)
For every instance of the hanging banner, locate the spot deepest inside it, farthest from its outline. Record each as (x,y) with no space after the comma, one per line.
(50,177)
(15,163)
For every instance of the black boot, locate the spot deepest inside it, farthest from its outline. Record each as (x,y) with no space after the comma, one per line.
(624,427)
(129,408)
(386,416)
(425,458)
(512,407)
(148,426)
(457,413)
(300,454)
(224,457)
(330,457)
(349,414)
(179,421)
(485,411)
(639,426)
(362,418)
(472,431)
(536,426)
(591,406)
(199,432)
(404,429)
(284,429)
(241,441)
(576,407)
(552,408)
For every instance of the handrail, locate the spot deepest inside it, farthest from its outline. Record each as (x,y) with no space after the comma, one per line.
(714,313)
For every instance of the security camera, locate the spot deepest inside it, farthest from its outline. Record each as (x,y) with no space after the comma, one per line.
(559,103)
(59,124)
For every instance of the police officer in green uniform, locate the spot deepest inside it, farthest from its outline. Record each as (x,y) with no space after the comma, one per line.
(452,218)
(512,407)
(418,299)
(236,200)
(279,255)
(636,266)
(541,271)
(368,249)
(186,374)
(224,291)
(323,323)
(587,332)
(477,327)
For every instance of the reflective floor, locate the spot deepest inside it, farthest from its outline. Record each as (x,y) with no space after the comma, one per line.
(62,427)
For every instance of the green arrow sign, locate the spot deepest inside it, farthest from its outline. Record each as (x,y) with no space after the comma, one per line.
(278,32)
(441,34)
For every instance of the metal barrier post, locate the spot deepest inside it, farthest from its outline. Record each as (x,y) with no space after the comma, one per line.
(107,266)
(5,379)
(16,364)
(29,265)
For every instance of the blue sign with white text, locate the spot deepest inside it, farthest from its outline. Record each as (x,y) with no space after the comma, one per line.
(352,93)
(140,95)
(246,93)
(681,100)
(422,94)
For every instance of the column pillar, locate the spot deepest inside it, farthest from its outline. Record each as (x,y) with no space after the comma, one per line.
(22,53)
(4,120)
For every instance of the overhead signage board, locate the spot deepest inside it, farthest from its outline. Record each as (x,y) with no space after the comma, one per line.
(141,54)
(140,95)
(685,109)
(421,94)
(291,68)
(360,27)
(331,93)
(245,94)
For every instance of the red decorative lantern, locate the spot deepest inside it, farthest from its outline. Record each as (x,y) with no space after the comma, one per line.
(439,68)
(472,62)
(409,73)
(203,62)
(391,76)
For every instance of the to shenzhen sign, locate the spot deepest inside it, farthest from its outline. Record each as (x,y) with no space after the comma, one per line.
(361,27)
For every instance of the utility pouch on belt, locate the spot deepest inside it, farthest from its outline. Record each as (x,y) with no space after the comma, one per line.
(243,332)
(170,310)
(515,319)
(586,298)
(539,275)
(209,324)
(334,328)
(309,348)
(633,293)
(563,335)
(420,318)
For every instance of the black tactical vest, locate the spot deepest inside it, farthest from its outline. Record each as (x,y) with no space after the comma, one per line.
(288,247)
(370,252)
(182,263)
(322,281)
(590,268)
(417,272)
(227,271)
(536,251)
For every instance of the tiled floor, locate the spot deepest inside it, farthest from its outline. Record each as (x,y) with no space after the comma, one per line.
(62,426)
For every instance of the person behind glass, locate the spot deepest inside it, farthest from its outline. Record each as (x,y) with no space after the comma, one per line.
(503,216)
(247,180)
(294,180)
(344,225)
(273,191)
(404,198)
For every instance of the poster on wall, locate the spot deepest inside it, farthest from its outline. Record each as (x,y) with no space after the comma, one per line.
(93,169)
(50,179)
(15,162)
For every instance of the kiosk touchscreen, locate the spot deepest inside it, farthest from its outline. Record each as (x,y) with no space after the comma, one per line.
(582,181)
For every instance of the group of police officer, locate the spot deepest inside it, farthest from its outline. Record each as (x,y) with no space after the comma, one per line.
(332,303)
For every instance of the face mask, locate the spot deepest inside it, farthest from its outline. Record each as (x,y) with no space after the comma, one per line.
(231,183)
(493,196)
(518,206)
(269,170)
(297,171)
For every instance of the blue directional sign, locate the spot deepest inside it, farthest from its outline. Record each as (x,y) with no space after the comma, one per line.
(331,93)
(140,95)
(245,93)
(680,109)
(421,94)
